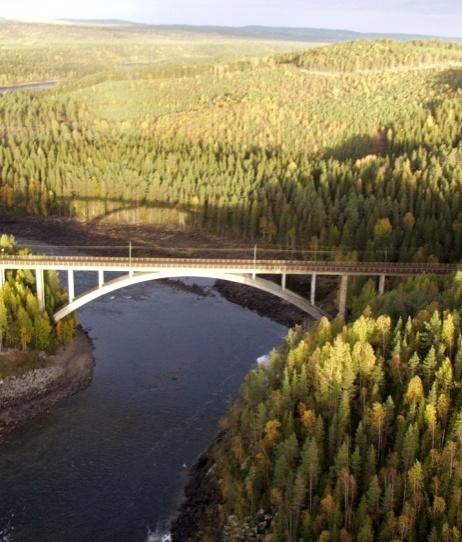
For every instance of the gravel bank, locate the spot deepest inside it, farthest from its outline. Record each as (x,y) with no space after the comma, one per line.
(26,396)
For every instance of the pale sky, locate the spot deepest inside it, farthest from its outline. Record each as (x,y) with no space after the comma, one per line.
(436,17)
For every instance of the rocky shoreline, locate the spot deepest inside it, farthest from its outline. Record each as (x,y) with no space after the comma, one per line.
(33,393)
(197,519)
(276,309)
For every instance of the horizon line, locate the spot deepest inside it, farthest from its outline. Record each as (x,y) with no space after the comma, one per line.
(125,22)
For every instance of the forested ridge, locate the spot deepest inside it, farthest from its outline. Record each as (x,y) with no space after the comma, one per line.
(353,431)
(259,149)
(376,55)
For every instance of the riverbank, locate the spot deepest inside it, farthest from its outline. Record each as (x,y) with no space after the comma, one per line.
(34,392)
(197,519)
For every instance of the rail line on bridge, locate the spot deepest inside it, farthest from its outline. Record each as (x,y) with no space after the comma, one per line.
(243,271)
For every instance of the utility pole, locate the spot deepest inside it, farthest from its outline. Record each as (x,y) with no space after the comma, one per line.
(130,253)
(254,275)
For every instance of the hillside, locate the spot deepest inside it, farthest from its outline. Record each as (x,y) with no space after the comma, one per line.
(313,149)
(353,432)
(311,35)
(376,56)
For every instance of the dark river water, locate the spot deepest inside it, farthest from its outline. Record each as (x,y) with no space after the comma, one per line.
(110,463)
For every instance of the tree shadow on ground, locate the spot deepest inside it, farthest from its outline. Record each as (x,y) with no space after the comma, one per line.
(452,78)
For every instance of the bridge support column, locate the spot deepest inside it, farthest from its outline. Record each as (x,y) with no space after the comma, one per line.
(70,285)
(284,281)
(100,278)
(343,294)
(382,284)
(2,277)
(40,285)
(131,273)
(313,290)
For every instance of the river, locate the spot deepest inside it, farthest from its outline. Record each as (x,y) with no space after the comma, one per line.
(44,85)
(110,463)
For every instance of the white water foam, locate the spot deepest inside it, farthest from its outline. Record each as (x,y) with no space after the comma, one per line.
(263,361)
(158,536)
(6,535)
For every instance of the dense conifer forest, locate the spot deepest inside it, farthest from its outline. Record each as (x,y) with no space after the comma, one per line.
(350,147)
(22,324)
(353,431)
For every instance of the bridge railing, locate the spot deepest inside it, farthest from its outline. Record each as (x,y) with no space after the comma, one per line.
(230,252)
(260,253)
(276,266)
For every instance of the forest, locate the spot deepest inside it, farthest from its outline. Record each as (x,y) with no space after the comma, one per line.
(318,150)
(22,324)
(353,432)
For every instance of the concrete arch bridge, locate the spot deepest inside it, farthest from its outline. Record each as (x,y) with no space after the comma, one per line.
(242,271)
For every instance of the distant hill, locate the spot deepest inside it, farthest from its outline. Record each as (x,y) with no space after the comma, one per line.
(100,22)
(316,35)
(303,35)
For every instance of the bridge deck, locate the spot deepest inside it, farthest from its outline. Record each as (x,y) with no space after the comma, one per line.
(152,265)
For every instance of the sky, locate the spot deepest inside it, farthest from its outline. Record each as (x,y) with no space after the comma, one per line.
(435,17)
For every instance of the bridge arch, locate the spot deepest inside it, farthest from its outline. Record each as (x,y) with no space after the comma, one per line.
(248,280)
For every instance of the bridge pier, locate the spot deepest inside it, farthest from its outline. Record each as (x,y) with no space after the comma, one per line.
(343,294)
(100,278)
(2,277)
(40,285)
(382,284)
(313,290)
(70,285)
(284,281)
